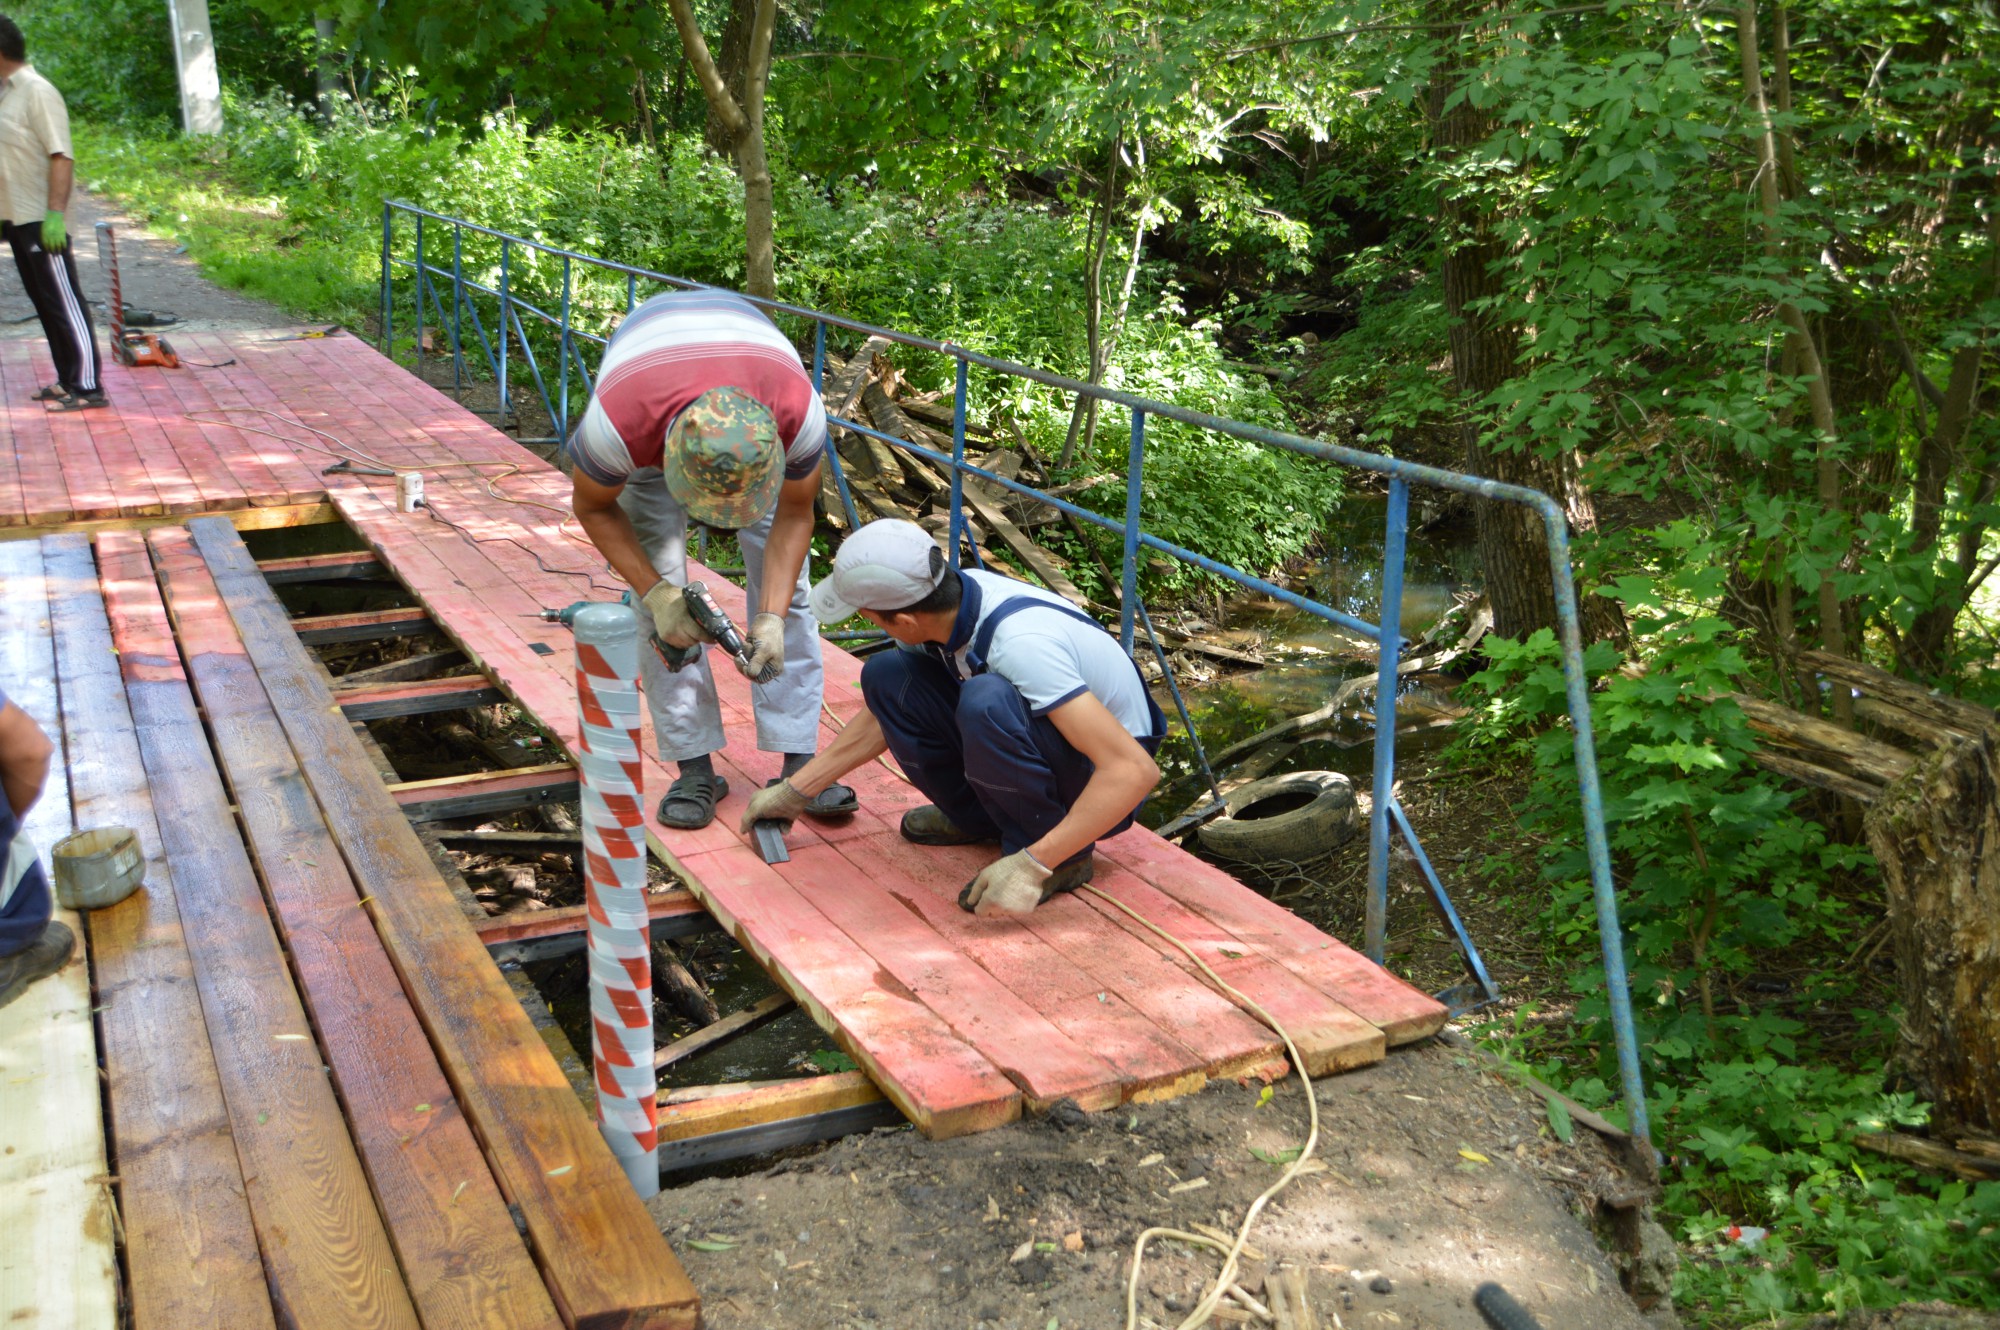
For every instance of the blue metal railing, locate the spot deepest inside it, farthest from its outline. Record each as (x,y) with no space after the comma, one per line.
(1386,812)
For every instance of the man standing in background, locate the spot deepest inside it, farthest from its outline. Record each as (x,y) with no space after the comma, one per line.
(37,173)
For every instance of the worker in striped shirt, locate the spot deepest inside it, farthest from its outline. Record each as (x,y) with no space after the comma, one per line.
(704,413)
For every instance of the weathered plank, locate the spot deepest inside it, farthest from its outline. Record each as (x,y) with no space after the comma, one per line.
(380,701)
(484,792)
(324,629)
(600,1252)
(459,1250)
(767,1103)
(325,1252)
(57,1266)
(190,1246)
(322,568)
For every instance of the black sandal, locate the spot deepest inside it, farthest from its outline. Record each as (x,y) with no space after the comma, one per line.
(53,393)
(77,402)
(700,792)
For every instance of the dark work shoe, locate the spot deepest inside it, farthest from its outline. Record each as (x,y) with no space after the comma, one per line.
(835,801)
(929,826)
(1069,877)
(39,959)
(690,801)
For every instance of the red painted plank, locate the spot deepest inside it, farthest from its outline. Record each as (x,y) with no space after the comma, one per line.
(939,1082)
(1031,1051)
(1402,1012)
(12,510)
(246,455)
(44,493)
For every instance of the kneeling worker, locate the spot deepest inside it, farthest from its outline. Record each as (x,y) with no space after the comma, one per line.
(1016,714)
(703,411)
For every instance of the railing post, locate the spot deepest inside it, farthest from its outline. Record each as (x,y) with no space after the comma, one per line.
(417,345)
(1389,652)
(1597,846)
(1135,465)
(562,354)
(388,343)
(614,852)
(819,360)
(506,326)
(457,311)
(958,460)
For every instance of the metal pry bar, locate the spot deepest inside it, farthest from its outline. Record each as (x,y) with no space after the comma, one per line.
(770,837)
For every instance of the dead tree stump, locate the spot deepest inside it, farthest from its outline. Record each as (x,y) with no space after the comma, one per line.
(1936,833)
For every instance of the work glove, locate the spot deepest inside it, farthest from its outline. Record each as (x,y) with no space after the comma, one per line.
(776,803)
(673,622)
(763,657)
(1009,885)
(55,232)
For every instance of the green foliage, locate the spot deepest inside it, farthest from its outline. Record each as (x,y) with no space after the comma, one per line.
(111,59)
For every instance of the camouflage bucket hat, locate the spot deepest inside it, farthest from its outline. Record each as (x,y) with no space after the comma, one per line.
(722,459)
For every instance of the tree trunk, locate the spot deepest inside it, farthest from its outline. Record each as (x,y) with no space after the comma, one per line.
(1484,350)
(1933,833)
(744,118)
(732,64)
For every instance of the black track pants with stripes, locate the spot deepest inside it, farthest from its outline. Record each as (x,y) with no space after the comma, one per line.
(58,296)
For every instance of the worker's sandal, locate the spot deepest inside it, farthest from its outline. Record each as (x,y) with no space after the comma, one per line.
(834,801)
(1069,877)
(39,959)
(53,393)
(690,801)
(78,402)
(929,826)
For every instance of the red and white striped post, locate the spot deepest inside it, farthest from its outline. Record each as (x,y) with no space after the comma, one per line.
(614,852)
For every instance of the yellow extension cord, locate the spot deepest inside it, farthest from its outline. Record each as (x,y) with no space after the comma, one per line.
(1233,1251)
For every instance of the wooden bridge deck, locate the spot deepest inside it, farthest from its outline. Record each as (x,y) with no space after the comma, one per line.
(324,1100)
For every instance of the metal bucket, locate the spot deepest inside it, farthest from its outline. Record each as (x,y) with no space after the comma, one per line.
(97,868)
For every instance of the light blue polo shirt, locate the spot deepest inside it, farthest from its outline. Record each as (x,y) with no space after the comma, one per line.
(1049,656)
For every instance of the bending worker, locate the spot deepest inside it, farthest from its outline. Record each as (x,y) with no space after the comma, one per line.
(1018,716)
(704,412)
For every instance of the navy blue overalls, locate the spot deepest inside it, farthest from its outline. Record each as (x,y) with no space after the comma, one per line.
(972,746)
(26,912)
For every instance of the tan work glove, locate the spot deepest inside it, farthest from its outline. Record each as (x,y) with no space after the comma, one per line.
(779,803)
(673,622)
(763,657)
(1009,885)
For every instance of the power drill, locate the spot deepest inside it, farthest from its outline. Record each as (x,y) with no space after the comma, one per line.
(701,604)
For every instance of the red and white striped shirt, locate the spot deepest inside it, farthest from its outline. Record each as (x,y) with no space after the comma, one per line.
(671,350)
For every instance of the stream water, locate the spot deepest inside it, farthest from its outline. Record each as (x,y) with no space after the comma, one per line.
(1307,658)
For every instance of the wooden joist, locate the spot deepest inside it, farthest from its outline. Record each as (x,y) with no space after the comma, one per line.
(325,629)
(754,1016)
(57,1264)
(485,792)
(325,1251)
(382,700)
(427,665)
(458,1248)
(542,934)
(323,568)
(762,1118)
(601,1253)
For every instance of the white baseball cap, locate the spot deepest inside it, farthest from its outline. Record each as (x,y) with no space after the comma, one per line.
(887,565)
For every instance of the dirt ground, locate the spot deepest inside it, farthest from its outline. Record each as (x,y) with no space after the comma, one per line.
(1441,1177)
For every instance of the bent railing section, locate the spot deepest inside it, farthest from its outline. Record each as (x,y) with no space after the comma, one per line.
(445,290)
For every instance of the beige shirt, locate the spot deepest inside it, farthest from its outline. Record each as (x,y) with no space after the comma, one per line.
(34,126)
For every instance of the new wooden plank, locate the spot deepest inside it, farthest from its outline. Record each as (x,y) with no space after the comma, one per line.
(57,1265)
(1403,1013)
(940,1082)
(600,1252)
(367,626)
(767,1103)
(420,698)
(190,1247)
(484,792)
(321,567)
(536,924)
(784,1133)
(755,1016)
(325,1252)
(1029,1050)
(460,1254)
(244,519)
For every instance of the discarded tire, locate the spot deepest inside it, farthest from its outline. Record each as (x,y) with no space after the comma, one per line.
(1296,818)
